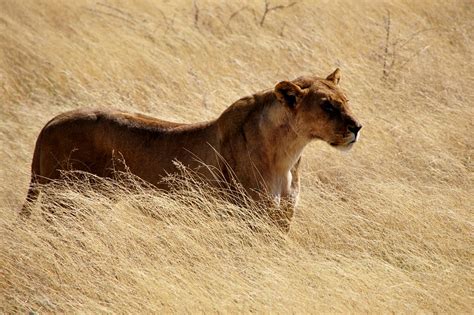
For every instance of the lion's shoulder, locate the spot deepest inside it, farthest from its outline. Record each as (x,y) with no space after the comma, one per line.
(243,110)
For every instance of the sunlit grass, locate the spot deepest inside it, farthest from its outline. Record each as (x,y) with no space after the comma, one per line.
(384,228)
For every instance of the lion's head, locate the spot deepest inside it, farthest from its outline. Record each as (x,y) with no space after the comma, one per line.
(319,109)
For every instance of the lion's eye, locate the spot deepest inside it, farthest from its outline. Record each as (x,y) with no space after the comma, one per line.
(328,107)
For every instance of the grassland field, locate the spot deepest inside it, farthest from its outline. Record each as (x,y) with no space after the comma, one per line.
(385,228)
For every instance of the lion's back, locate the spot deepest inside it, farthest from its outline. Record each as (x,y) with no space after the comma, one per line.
(90,139)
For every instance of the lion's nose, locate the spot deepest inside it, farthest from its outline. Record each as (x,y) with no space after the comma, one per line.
(355,128)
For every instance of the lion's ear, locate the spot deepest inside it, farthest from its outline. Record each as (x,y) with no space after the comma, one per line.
(288,93)
(335,76)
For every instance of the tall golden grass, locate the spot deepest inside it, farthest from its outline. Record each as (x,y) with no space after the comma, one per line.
(385,228)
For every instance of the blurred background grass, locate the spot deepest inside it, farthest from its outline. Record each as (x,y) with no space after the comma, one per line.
(387,227)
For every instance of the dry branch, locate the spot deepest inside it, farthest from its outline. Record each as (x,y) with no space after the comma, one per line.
(237,12)
(387,24)
(196,13)
(269,9)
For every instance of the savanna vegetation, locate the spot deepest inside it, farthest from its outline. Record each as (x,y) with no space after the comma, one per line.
(386,227)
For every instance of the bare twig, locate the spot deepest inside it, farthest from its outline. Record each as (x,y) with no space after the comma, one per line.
(114,9)
(233,15)
(269,9)
(130,21)
(395,50)
(387,24)
(402,43)
(237,12)
(169,22)
(413,56)
(282,29)
(196,13)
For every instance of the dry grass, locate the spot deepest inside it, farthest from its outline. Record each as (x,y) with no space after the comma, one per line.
(385,228)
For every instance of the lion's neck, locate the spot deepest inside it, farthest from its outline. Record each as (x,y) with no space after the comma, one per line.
(279,139)
(269,136)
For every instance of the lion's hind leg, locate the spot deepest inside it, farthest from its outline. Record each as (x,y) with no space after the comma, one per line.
(31,197)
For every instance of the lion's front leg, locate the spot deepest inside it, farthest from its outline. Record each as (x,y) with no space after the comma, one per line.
(288,199)
(283,213)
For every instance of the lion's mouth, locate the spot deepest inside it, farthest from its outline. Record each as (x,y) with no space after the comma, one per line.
(344,145)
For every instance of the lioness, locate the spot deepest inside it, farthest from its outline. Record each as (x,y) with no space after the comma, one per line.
(258,139)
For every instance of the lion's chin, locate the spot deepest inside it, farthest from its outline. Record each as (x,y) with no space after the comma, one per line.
(343,147)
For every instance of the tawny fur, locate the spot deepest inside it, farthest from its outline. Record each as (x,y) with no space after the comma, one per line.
(259,139)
